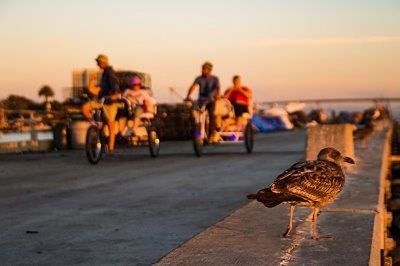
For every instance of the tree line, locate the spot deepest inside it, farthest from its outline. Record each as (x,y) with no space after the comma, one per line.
(18,102)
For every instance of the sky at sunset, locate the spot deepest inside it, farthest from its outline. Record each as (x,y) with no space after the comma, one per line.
(283,49)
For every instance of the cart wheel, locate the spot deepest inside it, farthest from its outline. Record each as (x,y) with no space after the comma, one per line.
(154,143)
(249,137)
(94,145)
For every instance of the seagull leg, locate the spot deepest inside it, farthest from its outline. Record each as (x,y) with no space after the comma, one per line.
(310,216)
(290,225)
(313,227)
(316,233)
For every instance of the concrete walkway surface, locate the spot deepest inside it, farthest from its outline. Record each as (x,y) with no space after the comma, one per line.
(252,235)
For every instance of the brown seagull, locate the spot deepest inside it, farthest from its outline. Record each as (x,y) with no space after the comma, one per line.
(310,183)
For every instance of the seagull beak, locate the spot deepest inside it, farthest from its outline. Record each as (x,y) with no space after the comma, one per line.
(348,160)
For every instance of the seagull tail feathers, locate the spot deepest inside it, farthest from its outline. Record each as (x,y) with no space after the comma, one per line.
(271,199)
(252,196)
(267,197)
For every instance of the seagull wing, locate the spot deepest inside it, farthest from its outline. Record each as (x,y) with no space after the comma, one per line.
(292,172)
(313,181)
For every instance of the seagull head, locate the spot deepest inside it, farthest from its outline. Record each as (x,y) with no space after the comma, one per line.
(332,155)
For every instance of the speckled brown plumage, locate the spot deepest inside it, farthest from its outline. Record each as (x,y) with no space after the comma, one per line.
(310,183)
(316,182)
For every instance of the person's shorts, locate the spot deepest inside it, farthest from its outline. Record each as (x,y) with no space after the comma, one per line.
(88,107)
(240,109)
(110,111)
(139,111)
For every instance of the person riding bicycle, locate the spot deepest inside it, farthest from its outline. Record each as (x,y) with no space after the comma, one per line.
(140,100)
(209,92)
(107,94)
(241,98)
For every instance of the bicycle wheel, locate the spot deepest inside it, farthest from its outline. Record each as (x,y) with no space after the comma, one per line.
(94,145)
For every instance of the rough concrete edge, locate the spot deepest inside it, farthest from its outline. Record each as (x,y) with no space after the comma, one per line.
(378,234)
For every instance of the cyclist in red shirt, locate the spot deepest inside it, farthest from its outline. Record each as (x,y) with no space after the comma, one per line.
(241,97)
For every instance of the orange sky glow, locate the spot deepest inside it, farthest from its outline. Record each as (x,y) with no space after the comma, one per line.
(285,50)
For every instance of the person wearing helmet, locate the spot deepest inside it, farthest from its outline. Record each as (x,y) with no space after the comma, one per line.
(109,92)
(139,98)
(209,91)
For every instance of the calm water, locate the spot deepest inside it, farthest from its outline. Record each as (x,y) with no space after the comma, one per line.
(24,136)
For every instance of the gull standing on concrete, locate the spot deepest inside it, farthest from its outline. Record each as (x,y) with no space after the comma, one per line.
(310,183)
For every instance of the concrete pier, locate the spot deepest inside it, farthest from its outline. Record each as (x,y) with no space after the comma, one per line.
(252,234)
(182,210)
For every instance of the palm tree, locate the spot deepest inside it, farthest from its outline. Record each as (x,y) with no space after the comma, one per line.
(46,92)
